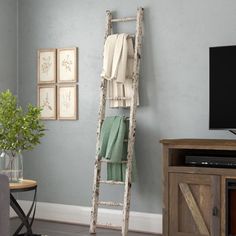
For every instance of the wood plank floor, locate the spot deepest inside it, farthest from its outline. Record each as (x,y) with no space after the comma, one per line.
(60,229)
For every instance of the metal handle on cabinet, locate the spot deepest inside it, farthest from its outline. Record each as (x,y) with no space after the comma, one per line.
(215,211)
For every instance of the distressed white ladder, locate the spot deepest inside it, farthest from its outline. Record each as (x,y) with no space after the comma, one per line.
(132,125)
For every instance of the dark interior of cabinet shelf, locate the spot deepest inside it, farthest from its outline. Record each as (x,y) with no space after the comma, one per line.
(177,156)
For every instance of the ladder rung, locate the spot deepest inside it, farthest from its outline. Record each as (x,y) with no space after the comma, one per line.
(118,98)
(125,19)
(108,225)
(127,118)
(131,36)
(110,203)
(111,182)
(109,161)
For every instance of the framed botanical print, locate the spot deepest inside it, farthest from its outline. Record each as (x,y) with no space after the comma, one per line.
(47,101)
(67,96)
(46,68)
(67,63)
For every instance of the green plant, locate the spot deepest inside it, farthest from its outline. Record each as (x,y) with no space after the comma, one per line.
(19,130)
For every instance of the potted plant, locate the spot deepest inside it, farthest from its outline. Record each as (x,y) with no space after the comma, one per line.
(19,131)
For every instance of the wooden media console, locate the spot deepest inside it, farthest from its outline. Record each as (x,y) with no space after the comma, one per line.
(196,199)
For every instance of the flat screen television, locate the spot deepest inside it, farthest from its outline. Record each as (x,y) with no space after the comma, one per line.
(222,87)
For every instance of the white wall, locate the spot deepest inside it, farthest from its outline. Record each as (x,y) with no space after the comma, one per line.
(8,45)
(174,87)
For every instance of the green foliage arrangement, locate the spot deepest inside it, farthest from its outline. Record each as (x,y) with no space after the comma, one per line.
(19,130)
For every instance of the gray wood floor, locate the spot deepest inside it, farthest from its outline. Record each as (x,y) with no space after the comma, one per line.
(60,229)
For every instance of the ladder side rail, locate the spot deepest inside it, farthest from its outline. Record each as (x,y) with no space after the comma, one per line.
(132,125)
(101,115)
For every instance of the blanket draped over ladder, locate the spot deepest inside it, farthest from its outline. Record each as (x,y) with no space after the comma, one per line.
(118,62)
(113,146)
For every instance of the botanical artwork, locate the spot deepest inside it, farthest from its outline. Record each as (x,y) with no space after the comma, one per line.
(67,65)
(47,101)
(46,65)
(57,83)
(67,102)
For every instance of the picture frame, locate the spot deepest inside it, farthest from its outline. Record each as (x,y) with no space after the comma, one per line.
(67,65)
(67,102)
(46,66)
(47,101)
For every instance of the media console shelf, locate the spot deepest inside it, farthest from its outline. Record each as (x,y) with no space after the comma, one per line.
(196,199)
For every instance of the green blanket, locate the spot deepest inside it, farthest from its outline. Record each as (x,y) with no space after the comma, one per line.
(112,146)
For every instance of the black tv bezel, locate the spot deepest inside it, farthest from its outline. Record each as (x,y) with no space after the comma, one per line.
(231,129)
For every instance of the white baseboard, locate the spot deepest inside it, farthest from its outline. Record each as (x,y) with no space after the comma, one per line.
(139,221)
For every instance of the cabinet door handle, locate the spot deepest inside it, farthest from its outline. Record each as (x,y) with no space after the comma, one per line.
(215,211)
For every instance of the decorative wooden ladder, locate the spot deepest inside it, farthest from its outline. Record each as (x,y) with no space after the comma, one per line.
(132,125)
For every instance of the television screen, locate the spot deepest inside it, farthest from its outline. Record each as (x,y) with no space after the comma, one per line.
(223,87)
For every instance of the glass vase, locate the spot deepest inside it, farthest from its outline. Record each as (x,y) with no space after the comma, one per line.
(11,165)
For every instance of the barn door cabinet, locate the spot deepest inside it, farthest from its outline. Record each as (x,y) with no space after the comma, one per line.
(194,198)
(194,204)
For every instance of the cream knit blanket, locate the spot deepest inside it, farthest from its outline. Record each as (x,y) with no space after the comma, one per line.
(118,61)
